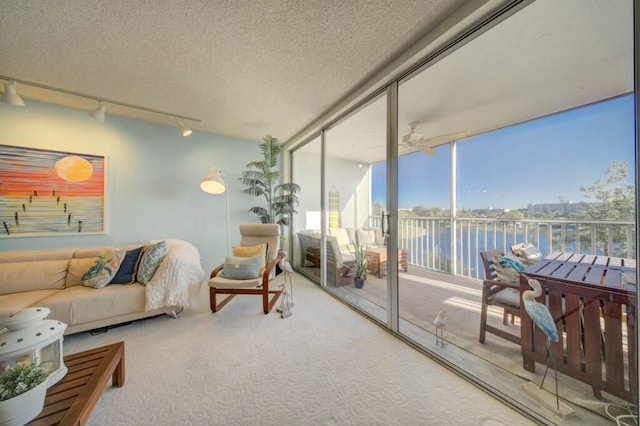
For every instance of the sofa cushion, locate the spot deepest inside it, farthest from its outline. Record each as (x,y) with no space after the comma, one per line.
(18,277)
(104,269)
(150,260)
(79,304)
(127,271)
(12,303)
(251,251)
(77,268)
(32,255)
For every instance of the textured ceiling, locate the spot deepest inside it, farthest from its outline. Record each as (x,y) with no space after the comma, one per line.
(548,57)
(244,67)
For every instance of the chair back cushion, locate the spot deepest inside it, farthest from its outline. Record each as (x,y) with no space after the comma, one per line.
(256,233)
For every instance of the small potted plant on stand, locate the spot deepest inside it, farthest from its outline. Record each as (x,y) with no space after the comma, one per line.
(360,264)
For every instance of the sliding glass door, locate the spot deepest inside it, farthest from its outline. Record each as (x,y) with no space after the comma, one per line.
(355,148)
(481,148)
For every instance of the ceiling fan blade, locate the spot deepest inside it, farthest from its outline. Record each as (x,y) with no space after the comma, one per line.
(427,149)
(436,140)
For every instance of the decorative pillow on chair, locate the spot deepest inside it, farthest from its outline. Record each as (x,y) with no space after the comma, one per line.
(529,254)
(508,268)
(127,272)
(150,260)
(366,237)
(251,251)
(104,269)
(242,268)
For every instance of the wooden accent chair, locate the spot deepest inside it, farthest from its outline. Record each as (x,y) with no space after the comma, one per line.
(498,293)
(252,234)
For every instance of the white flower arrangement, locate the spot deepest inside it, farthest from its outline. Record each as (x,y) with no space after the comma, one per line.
(21,378)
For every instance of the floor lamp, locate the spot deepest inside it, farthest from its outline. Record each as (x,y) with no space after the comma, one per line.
(215,183)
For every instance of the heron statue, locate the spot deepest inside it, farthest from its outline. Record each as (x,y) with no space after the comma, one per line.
(286,303)
(541,316)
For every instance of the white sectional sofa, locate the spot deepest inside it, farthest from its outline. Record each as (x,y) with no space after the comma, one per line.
(51,278)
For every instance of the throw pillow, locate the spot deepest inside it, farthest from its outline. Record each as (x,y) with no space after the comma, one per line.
(508,268)
(127,272)
(529,254)
(150,260)
(366,237)
(241,268)
(251,251)
(104,269)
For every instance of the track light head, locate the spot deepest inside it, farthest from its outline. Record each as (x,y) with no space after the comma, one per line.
(184,129)
(10,96)
(98,113)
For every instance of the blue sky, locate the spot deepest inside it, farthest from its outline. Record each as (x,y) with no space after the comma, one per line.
(533,162)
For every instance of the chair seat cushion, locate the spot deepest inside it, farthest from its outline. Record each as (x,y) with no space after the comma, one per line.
(507,296)
(222,282)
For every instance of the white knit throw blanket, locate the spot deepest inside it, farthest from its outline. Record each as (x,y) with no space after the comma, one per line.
(178,277)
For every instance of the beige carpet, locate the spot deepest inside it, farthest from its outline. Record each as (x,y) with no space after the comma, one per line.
(324,365)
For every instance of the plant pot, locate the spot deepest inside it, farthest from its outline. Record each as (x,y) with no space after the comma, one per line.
(359,282)
(23,408)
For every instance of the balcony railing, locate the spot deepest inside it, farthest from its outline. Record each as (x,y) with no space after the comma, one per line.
(431,244)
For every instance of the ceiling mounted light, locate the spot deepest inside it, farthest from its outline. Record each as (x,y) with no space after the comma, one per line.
(10,96)
(98,113)
(185,130)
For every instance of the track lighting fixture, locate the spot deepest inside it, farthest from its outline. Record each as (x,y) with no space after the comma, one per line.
(98,113)
(10,96)
(185,130)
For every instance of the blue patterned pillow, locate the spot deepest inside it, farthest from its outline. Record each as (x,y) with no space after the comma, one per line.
(104,269)
(241,268)
(127,271)
(151,258)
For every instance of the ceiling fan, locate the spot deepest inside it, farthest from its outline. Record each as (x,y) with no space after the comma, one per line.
(414,139)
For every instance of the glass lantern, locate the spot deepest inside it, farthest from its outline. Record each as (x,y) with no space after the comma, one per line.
(27,337)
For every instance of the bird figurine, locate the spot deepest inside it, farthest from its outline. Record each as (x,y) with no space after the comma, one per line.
(541,316)
(286,303)
(440,322)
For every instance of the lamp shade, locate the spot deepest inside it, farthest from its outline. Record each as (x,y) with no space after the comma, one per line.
(10,96)
(98,113)
(184,129)
(214,182)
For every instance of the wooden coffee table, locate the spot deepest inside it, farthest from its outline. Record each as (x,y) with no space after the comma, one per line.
(377,260)
(71,400)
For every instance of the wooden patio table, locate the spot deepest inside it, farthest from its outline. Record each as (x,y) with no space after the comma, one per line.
(377,260)
(71,400)
(594,307)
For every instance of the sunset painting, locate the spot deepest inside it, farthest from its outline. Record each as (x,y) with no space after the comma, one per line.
(50,193)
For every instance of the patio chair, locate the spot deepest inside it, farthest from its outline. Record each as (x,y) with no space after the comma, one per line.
(252,234)
(498,293)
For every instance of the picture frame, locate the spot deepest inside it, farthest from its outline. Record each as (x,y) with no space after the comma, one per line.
(51,193)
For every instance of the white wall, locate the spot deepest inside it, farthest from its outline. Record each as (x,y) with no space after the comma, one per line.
(153,177)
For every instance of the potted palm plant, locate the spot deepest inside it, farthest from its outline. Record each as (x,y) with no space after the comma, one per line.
(359,263)
(262,179)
